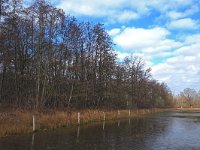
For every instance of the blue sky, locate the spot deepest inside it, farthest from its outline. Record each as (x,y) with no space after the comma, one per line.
(165,33)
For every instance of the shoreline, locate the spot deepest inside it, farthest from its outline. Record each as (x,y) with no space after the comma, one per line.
(188,108)
(21,122)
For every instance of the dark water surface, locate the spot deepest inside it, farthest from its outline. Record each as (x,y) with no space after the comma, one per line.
(160,131)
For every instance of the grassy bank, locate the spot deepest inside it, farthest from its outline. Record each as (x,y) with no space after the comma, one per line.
(189,109)
(18,121)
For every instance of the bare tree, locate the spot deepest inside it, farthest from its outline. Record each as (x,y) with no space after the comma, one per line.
(189,96)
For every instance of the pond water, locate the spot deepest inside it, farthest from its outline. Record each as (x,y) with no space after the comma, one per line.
(161,131)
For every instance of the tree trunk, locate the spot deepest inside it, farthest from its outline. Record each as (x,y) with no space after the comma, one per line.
(70,97)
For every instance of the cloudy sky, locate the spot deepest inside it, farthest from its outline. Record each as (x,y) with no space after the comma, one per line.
(165,33)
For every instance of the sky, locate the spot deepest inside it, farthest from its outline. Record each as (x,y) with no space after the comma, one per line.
(165,33)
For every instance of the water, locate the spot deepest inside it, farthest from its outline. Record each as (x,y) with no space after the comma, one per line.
(160,131)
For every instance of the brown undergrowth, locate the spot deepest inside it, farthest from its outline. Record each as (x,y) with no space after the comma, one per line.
(20,121)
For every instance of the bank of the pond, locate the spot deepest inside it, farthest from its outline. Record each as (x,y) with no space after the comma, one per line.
(20,121)
(188,109)
(194,111)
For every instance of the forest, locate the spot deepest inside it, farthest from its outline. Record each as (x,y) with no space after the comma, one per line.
(52,60)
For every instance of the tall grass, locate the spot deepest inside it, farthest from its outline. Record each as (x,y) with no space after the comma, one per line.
(17,122)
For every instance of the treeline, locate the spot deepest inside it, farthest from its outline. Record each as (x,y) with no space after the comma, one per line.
(49,59)
(187,98)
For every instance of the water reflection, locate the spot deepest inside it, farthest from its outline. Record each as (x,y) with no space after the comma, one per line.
(104,125)
(118,123)
(158,132)
(32,141)
(78,131)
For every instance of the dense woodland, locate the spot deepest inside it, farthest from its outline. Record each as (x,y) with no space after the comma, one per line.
(50,59)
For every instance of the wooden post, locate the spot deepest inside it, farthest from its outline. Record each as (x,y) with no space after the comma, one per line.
(104,116)
(33,123)
(118,112)
(78,118)
(129,113)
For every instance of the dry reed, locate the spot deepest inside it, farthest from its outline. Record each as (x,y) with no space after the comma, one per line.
(18,122)
(189,108)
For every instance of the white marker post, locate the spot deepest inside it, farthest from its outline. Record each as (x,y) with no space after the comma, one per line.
(118,112)
(33,123)
(78,118)
(104,116)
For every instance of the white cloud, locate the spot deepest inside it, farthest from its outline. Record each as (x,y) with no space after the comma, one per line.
(175,15)
(178,75)
(183,69)
(114,31)
(186,23)
(121,10)
(188,50)
(182,14)
(127,15)
(193,39)
(139,38)
(145,40)
(163,54)
(122,55)
(96,8)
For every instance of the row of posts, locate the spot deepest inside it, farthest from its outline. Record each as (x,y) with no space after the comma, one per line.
(79,119)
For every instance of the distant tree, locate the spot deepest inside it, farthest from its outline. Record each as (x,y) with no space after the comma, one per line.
(188,95)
